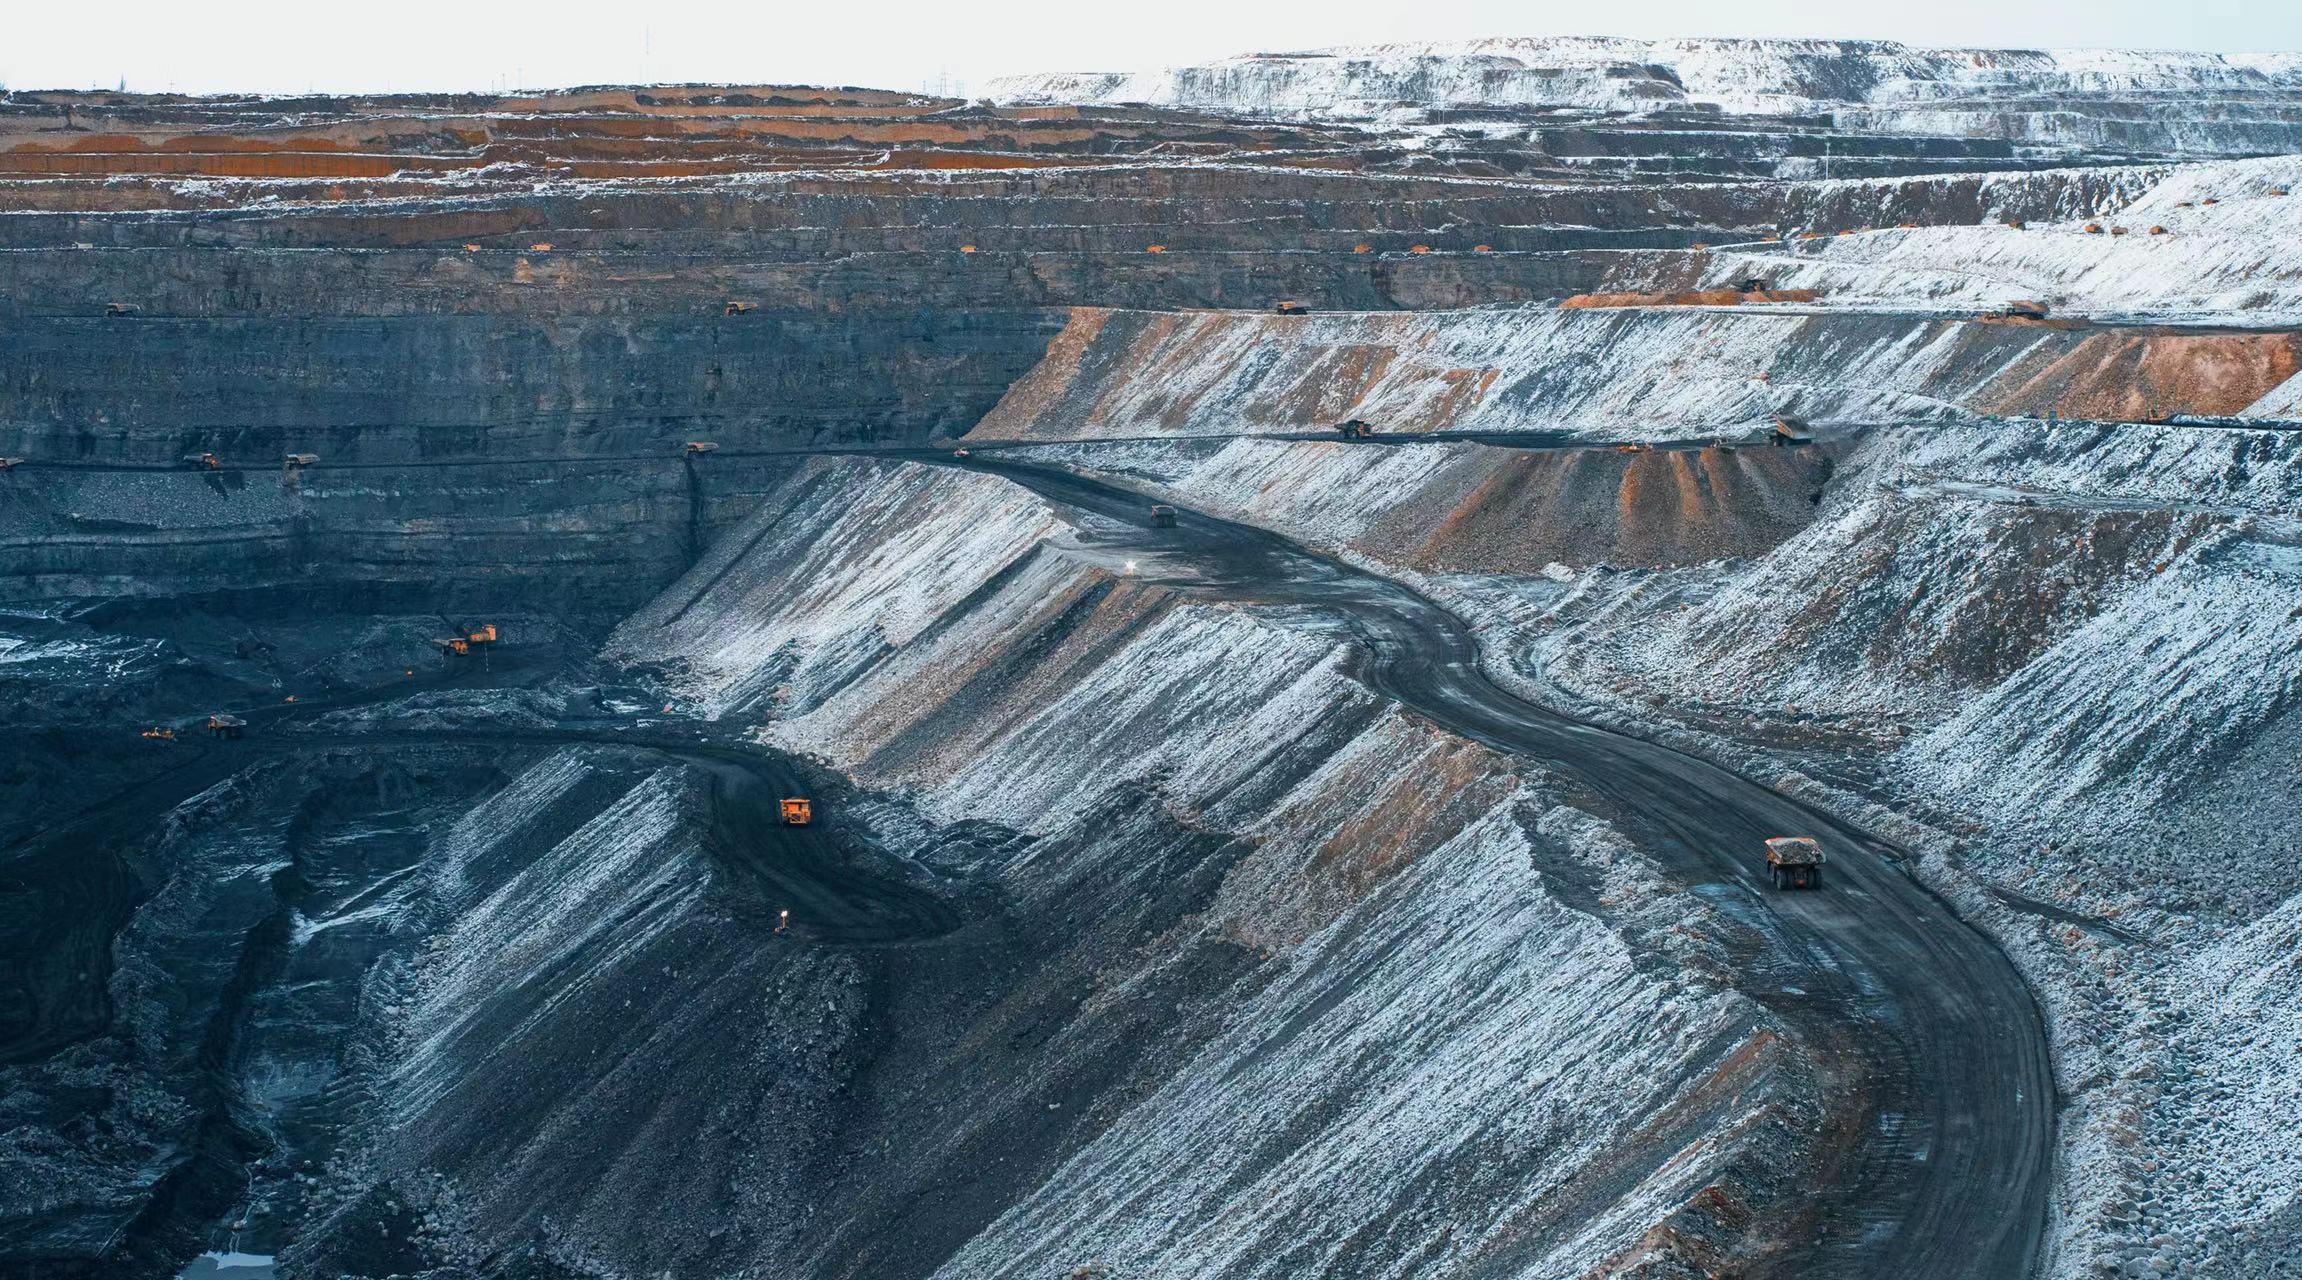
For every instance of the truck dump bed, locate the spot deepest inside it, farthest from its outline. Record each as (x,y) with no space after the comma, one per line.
(1794,851)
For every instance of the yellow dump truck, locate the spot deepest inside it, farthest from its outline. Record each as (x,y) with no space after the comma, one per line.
(798,812)
(1795,861)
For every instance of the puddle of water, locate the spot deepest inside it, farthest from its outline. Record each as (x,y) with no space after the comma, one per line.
(228,1266)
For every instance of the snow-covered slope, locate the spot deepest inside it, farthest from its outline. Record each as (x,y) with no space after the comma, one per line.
(1758,76)
(1457,507)
(1469,1024)
(1371,882)
(2078,648)
(2208,242)
(1606,374)
(2172,102)
(2076,645)
(826,574)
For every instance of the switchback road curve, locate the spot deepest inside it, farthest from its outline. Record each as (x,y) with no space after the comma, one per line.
(1938,1157)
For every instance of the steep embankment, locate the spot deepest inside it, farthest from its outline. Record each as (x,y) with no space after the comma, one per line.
(259,542)
(2210,244)
(2077,647)
(475,315)
(1291,957)
(1464,508)
(2070,644)
(2061,658)
(186,1016)
(1145,738)
(2065,101)
(1628,374)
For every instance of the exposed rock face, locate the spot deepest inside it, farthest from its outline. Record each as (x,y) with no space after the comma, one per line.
(2088,636)
(2076,100)
(1146,923)
(2207,244)
(1036,685)
(454,309)
(360,539)
(1460,508)
(613,132)
(237,938)
(1604,374)
(2071,646)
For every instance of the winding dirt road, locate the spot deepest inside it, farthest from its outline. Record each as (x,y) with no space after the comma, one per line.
(1939,1150)
(1938,1146)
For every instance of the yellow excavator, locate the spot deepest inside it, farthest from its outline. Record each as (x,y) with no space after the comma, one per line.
(461,645)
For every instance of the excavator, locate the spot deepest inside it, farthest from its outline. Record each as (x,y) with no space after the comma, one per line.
(462,644)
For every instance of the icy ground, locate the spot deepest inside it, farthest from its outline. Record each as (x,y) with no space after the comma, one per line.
(2060,660)
(2198,321)
(2072,654)
(2211,243)
(1040,691)
(2070,98)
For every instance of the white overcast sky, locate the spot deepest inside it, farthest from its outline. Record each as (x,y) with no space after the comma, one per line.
(295,45)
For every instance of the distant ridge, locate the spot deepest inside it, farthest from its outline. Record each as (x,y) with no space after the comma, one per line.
(2077,98)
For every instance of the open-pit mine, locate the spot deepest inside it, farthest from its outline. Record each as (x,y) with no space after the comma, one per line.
(1534,658)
